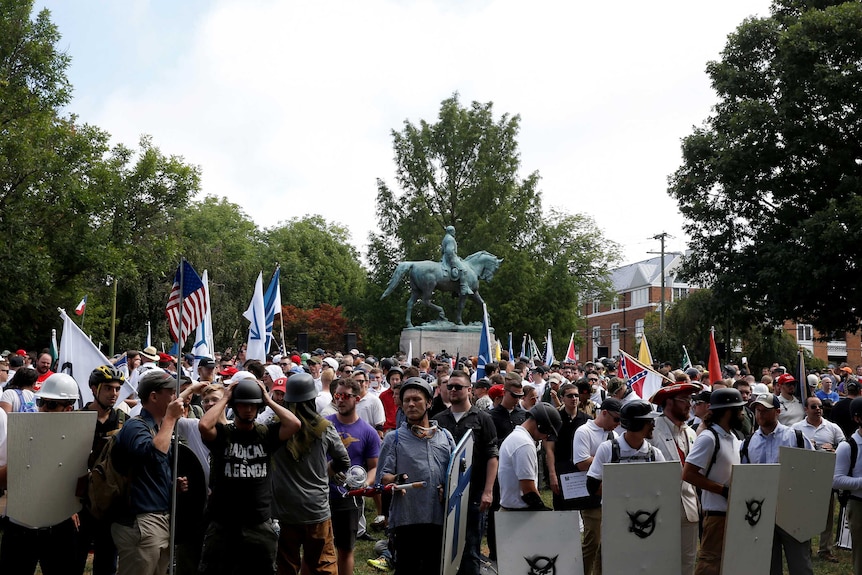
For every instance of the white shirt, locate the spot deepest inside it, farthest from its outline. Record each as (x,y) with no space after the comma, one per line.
(792,411)
(841,479)
(517,461)
(187,428)
(627,455)
(826,432)
(728,455)
(323,399)
(3,432)
(370,409)
(587,439)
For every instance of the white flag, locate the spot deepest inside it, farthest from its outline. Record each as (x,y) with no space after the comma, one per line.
(78,356)
(204,346)
(256,314)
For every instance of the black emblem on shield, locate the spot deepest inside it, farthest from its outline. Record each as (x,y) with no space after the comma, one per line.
(754,508)
(541,565)
(642,523)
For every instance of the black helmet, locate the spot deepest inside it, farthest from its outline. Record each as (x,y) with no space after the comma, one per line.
(300,388)
(106,374)
(394,370)
(416,383)
(634,415)
(856,407)
(725,397)
(548,419)
(247,391)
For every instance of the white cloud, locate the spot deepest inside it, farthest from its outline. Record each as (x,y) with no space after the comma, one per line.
(288,106)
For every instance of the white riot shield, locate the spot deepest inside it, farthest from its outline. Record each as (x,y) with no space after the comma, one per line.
(803,491)
(47,454)
(538,542)
(641,515)
(457,503)
(750,519)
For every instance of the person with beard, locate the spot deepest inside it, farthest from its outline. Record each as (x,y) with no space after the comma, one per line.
(719,442)
(240,536)
(300,485)
(418,450)
(674,438)
(638,420)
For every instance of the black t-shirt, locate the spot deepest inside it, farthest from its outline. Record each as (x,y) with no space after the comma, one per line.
(239,476)
(563,444)
(840,415)
(506,422)
(111,426)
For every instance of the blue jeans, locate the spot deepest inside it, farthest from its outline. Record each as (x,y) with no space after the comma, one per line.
(471,561)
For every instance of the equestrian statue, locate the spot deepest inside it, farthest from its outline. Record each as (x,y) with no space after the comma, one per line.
(453,274)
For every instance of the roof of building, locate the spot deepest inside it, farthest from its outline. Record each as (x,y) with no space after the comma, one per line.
(644,273)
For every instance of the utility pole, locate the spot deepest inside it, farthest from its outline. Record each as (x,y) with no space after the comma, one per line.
(661,237)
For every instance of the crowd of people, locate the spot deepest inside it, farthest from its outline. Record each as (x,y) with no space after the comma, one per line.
(278,445)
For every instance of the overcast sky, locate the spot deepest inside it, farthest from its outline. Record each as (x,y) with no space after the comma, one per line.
(288,106)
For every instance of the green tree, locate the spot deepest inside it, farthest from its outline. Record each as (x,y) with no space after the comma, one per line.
(770,183)
(463,171)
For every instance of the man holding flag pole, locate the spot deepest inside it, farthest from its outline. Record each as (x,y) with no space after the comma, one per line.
(145,537)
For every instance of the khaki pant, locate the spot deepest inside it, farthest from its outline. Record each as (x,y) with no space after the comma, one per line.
(144,546)
(711,545)
(317,545)
(592,544)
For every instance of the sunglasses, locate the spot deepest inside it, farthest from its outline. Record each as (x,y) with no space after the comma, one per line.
(571,396)
(454,387)
(616,420)
(593,380)
(283,364)
(49,403)
(516,394)
(343,395)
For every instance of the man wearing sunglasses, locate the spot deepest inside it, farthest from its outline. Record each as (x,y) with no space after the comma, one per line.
(458,418)
(558,453)
(588,437)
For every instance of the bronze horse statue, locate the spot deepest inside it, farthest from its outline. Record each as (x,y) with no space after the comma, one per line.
(427,276)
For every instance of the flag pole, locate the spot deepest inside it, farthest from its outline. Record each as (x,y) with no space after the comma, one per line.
(176,438)
(113,321)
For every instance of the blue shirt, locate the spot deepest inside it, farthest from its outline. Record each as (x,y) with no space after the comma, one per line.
(831,396)
(763,448)
(150,490)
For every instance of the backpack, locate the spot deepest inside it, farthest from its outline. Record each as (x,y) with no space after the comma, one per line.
(615,451)
(107,486)
(743,452)
(844,494)
(25,406)
(718,447)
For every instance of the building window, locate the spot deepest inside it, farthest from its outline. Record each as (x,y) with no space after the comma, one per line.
(804,332)
(639,329)
(597,335)
(596,305)
(615,332)
(640,297)
(615,304)
(679,293)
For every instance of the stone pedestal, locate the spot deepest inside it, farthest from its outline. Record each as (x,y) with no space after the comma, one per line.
(442,335)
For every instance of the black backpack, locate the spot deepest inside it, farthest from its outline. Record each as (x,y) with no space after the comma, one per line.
(615,451)
(844,494)
(743,452)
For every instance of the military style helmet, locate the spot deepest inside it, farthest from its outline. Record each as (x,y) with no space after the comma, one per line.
(106,374)
(856,407)
(300,388)
(59,386)
(725,397)
(634,415)
(416,383)
(548,420)
(247,391)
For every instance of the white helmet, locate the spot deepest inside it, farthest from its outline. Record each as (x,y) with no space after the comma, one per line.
(58,386)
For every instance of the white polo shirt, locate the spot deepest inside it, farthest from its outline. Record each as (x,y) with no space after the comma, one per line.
(587,439)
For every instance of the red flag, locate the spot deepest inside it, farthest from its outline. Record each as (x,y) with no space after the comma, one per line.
(714,363)
(79,310)
(572,353)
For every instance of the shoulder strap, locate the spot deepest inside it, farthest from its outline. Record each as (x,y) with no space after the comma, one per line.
(800,441)
(652,451)
(743,452)
(714,452)
(615,450)
(854,453)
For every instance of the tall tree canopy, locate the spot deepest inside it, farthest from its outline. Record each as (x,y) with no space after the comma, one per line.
(770,183)
(463,170)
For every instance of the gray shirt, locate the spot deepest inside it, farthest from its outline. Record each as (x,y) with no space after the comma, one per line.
(300,489)
(422,460)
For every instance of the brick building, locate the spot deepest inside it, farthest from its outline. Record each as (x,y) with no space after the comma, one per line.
(839,348)
(618,324)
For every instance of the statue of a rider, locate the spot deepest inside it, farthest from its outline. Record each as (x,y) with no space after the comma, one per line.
(453,267)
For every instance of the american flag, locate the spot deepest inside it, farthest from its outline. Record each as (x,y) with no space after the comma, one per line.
(193,299)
